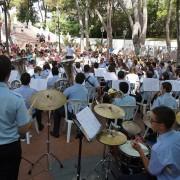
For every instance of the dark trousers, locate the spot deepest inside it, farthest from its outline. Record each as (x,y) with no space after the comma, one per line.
(10,158)
(57,115)
(38,115)
(144,176)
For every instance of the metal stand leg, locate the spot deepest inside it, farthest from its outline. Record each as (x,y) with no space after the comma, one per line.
(48,154)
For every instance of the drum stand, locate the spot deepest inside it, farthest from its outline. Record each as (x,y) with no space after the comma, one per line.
(105,163)
(48,154)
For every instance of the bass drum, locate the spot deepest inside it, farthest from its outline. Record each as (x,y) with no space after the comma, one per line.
(129,159)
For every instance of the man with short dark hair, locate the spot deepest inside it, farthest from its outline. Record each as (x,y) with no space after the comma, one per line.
(125,99)
(51,81)
(166,98)
(14,119)
(76,92)
(26,92)
(91,83)
(164,162)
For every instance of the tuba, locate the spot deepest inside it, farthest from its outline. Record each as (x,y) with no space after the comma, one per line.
(19,65)
(68,67)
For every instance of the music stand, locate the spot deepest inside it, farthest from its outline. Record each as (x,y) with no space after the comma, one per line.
(86,127)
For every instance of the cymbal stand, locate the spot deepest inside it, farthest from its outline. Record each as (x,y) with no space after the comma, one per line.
(105,163)
(48,154)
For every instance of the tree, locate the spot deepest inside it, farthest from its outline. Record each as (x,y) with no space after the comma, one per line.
(138,22)
(178,30)
(168,40)
(107,23)
(80,16)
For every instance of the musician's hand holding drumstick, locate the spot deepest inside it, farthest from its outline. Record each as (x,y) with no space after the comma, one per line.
(135,144)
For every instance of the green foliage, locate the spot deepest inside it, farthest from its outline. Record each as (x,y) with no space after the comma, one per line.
(26,13)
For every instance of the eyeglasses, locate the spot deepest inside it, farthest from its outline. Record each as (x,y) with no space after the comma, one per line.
(154,121)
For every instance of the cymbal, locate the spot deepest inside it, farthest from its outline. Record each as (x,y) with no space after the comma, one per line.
(178,118)
(131,127)
(109,111)
(48,100)
(111,138)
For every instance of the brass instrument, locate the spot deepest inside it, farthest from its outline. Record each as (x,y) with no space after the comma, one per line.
(19,65)
(68,67)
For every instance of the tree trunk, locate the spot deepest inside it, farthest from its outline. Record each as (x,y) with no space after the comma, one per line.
(136,27)
(87,24)
(81,26)
(45,14)
(178,30)
(40,11)
(109,27)
(109,24)
(144,23)
(9,22)
(168,19)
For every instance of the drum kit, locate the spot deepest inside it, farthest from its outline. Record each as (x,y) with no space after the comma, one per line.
(127,154)
(49,100)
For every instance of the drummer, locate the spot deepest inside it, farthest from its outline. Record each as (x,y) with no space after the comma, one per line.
(164,162)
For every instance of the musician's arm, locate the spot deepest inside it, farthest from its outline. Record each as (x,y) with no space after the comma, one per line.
(24,129)
(144,159)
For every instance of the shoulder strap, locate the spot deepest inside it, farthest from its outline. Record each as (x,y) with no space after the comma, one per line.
(87,80)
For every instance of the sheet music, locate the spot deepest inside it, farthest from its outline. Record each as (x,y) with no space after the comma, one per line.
(89,123)
(175,84)
(100,72)
(13,76)
(109,76)
(38,84)
(151,84)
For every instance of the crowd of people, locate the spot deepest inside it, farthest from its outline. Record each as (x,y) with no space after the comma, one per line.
(44,62)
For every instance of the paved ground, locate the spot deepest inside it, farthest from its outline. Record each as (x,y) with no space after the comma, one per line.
(63,151)
(66,152)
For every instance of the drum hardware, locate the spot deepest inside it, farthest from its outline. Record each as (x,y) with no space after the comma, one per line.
(109,111)
(47,100)
(109,138)
(131,128)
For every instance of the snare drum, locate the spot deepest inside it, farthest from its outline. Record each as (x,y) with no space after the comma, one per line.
(129,158)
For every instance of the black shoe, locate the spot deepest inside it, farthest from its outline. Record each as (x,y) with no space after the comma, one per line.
(41,127)
(54,135)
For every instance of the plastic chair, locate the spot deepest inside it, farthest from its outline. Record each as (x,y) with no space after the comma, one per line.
(28,135)
(76,106)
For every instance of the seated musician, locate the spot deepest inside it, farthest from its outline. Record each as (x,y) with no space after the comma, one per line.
(77,92)
(125,99)
(37,73)
(51,81)
(164,162)
(27,93)
(165,98)
(91,83)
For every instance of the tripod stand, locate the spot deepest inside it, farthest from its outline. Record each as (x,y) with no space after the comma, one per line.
(48,154)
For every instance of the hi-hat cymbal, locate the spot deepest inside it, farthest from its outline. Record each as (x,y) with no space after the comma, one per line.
(109,111)
(112,138)
(131,127)
(178,118)
(48,100)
